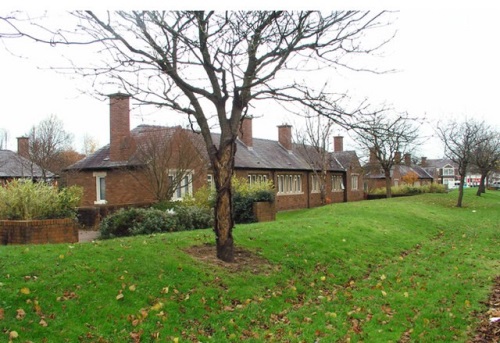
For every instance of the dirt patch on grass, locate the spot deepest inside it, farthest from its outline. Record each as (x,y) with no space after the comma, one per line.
(489,331)
(244,260)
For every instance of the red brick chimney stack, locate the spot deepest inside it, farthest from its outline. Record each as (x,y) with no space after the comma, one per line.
(338,144)
(245,132)
(23,146)
(408,159)
(119,127)
(397,157)
(285,136)
(423,162)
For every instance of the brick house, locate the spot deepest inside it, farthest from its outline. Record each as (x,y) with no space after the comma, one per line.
(18,166)
(112,175)
(374,176)
(443,170)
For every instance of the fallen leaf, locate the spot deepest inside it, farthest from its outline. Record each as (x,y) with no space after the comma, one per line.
(2,313)
(13,335)
(25,290)
(43,323)
(384,293)
(120,296)
(132,288)
(20,314)
(164,290)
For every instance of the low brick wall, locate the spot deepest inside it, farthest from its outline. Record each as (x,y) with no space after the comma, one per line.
(38,231)
(264,211)
(90,216)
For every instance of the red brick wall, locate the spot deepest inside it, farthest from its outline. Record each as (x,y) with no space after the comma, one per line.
(264,211)
(38,231)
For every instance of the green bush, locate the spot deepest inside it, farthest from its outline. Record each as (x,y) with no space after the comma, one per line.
(245,194)
(193,217)
(137,221)
(26,200)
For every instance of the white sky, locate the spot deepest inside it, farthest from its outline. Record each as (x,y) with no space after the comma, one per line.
(448,57)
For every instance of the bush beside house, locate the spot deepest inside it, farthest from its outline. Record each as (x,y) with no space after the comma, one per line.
(36,213)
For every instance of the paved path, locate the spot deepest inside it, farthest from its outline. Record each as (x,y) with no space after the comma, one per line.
(87,235)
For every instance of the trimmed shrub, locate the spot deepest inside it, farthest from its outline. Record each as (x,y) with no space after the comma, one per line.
(137,221)
(26,200)
(193,217)
(412,190)
(245,194)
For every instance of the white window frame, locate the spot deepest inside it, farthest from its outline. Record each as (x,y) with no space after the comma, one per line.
(210,181)
(337,180)
(315,184)
(448,170)
(354,182)
(289,184)
(100,177)
(256,178)
(184,188)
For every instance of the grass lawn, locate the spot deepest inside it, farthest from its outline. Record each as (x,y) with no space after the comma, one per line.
(412,269)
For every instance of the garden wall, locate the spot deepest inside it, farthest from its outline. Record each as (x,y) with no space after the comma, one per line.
(264,211)
(38,231)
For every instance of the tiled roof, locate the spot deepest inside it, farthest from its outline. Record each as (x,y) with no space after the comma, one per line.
(264,154)
(403,169)
(16,166)
(439,163)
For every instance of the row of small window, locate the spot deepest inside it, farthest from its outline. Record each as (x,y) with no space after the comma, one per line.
(184,187)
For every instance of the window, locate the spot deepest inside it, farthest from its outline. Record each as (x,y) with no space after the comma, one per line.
(256,178)
(354,182)
(448,170)
(289,184)
(315,184)
(100,188)
(185,186)
(210,181)
(337,183)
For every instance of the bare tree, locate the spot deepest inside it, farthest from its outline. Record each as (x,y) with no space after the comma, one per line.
(460,140)
(167,156)
(314,141)
(385,135)
(47,141)
(215,64)
(486,156)
(4,137)
(90,144)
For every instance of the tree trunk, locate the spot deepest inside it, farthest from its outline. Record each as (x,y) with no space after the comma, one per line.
(223,224)
(481,188)
(388,185)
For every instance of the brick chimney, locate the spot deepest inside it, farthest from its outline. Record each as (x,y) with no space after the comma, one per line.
(397,157)
(338,144)
(120,141)
(423,162)
(23,146)
(408,159)
(285,136)
(373,156)
(245,132)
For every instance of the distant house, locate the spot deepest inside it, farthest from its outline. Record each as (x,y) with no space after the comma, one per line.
(112,174)
(375,177)
(18,166)
(443,170)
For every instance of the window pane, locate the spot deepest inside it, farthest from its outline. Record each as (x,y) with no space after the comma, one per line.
(102,188)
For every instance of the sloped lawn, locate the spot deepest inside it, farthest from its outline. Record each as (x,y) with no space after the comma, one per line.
(412,269)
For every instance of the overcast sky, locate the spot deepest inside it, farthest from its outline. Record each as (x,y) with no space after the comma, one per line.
(448,61)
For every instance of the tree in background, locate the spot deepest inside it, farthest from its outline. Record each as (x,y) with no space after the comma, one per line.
(47,142)
(4,137)
(460,140)
(90,144)
(213,65)
(167,156)
(385,135)
(410,178)
(314,142)
(486,156)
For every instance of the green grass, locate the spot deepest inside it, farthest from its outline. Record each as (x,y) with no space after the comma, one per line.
(414,268)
